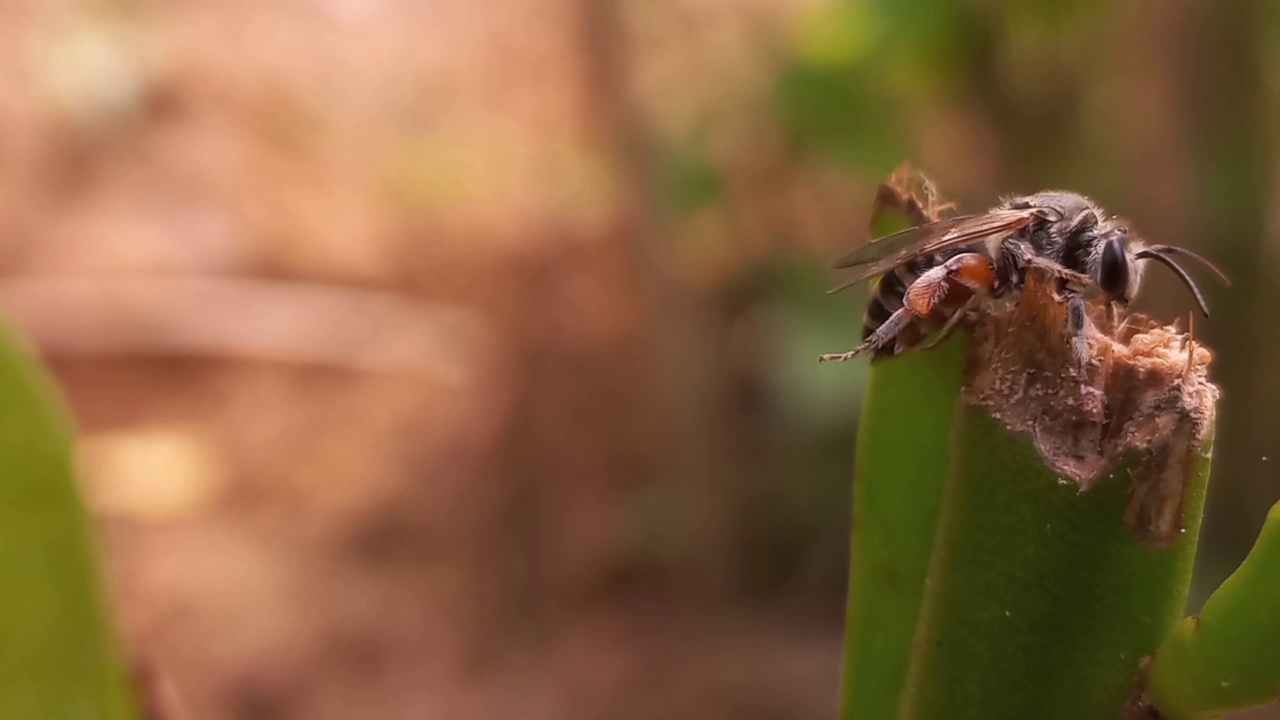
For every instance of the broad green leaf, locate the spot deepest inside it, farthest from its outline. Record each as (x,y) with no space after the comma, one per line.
(58,658)
(1040,602)
(900,466)
(901,461)
(1228,657)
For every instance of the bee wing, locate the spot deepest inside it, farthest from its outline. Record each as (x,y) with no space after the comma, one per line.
(885,253)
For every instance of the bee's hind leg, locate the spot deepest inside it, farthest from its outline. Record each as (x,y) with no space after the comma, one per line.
(969,270)
(882,336)
(953,323)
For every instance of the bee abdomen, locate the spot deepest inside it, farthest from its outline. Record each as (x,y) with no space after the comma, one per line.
(886,297)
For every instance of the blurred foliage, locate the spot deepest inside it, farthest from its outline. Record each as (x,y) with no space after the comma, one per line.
(857,68)
(797,524)
(688,180)
(826,112)
(462,154)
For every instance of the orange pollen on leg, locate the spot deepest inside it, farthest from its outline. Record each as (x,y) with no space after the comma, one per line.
(975,273)
(923,295)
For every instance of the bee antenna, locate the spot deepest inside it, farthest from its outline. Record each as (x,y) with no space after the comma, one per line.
(1181,273)
(1175,250)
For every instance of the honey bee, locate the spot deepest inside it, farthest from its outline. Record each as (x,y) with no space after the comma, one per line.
(932,275)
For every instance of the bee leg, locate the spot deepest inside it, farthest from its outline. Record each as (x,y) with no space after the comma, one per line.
(1120,321)
(969,270)
(878,339)
(1118,317)
(1076,320)
(1070,278)
(953,323)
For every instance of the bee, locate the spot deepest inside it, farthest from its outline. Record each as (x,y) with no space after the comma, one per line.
(934,274)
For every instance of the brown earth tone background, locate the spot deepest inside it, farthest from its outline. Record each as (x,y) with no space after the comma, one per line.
(455,359)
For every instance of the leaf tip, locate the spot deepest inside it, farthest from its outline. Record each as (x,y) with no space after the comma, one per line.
(1137,388)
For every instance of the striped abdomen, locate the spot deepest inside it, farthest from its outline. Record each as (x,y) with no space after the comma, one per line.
(886,298)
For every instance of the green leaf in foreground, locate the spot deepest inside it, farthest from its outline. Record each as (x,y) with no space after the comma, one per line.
(1041,602)
(58,660)
(901,461)
(1068,526)
(1228,657)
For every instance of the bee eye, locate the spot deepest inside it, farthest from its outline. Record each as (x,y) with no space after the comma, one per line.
(1113,271)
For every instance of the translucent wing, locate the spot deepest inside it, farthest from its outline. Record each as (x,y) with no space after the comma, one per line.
(885,253)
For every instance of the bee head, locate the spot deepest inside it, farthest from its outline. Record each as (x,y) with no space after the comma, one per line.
(1119,268)
(1118,271)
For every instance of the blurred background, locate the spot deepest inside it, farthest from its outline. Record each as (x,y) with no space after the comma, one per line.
(457,359)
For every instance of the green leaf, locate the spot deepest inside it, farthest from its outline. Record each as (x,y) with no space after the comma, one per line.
(1040,601)
(1228,657)
(901,462)
(1064,546)
(58,657)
